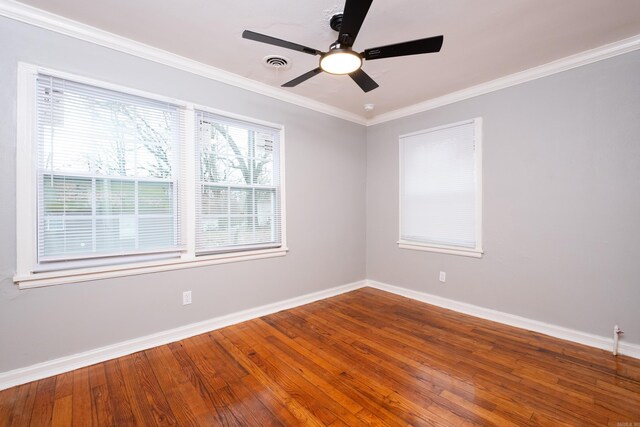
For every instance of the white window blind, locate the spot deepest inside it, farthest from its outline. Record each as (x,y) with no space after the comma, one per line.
(238,197)
(108,173)
(439,186)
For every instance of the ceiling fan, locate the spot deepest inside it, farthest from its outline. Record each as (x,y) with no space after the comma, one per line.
(341,59)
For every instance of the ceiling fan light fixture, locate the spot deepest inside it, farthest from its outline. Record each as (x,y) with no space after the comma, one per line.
(340,61)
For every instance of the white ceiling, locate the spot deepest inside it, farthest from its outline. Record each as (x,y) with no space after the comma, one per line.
(484,40)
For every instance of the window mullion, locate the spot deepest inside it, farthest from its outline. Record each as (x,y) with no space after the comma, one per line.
(252,163)
(136,212)
(229,213)
(94,213)
(274,200)
(190,176)
(254,211)
(64,211)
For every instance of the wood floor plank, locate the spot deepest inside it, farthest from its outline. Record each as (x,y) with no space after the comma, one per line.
(228,408)
(356,382)
(81,400)
(377,385)
(186,402)
(364,358)
(23,404)
(102,413)
(63,400)
(8,399)
(62,411)
(270,401)
(149,405)
(397,365)
(207,362)
(121,401)
(43,405)
(302,414)
(310,370)
(295,387)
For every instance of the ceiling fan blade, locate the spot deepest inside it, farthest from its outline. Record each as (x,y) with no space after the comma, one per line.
(246,34)
(352,18)
(306,76)
(415,47)
(363,80)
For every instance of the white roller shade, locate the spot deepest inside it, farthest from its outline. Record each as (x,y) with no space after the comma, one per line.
(439,187)
(109,172)
(238,197)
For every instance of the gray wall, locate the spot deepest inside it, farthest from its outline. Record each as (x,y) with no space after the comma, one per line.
(561,201)
(325,169)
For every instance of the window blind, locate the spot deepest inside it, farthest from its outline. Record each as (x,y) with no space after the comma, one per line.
(109,172)
(238,185)
(438,187)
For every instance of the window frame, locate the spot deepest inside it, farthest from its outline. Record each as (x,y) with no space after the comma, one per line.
(26,193)
(475,252)
(277,189)
(119,255)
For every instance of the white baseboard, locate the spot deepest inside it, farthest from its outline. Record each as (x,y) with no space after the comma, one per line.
(605,343)
(91,357)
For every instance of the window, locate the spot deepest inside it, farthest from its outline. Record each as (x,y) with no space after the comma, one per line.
(108,173)
(440,189)
(107,182)
(237,194)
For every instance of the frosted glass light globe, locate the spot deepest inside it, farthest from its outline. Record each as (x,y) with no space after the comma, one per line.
(340,62)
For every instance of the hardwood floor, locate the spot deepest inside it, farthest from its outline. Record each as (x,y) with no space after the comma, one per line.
(362,358)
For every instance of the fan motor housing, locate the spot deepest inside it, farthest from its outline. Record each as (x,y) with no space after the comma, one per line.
(336,22)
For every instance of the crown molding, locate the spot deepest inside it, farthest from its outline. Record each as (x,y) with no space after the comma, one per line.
(49,21)
(40,18)
(564,64)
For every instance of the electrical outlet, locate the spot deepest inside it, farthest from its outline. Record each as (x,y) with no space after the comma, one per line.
(186,297)
(443,276)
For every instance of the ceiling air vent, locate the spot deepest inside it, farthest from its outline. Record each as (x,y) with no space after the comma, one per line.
(276,61)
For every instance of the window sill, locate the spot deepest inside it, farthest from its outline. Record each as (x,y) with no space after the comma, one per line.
(28,281)
(451,250)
